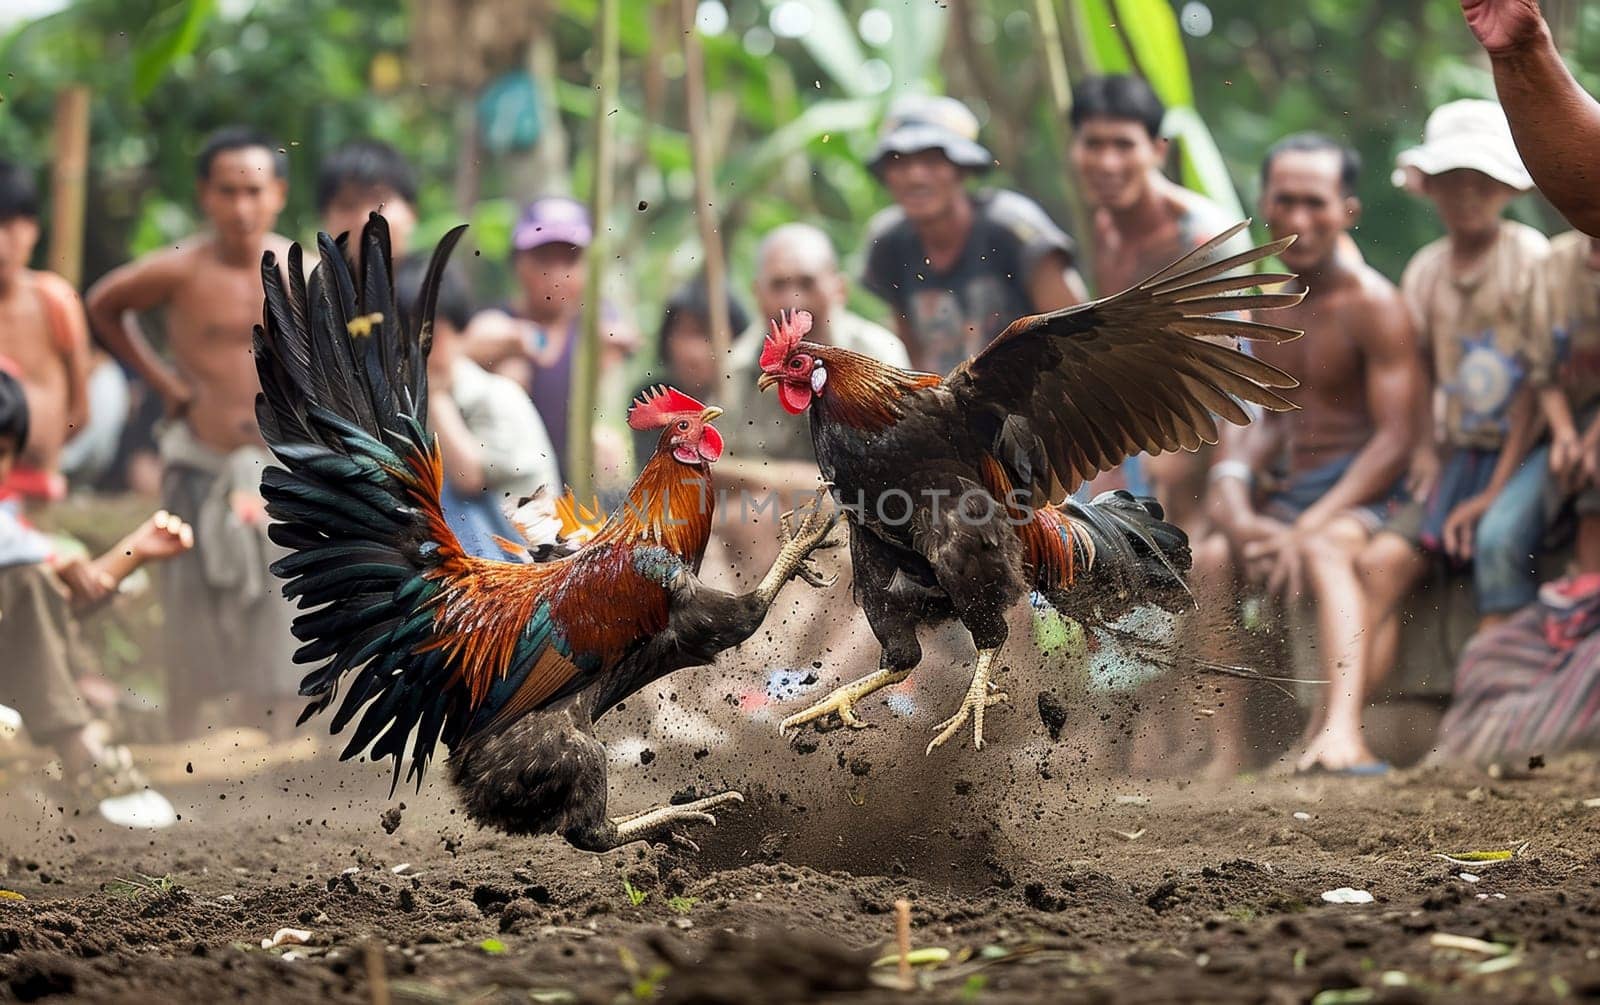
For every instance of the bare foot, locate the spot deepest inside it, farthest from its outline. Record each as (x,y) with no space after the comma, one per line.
(1336,749)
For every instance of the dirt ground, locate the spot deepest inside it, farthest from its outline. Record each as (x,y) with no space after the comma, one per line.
(1044,883)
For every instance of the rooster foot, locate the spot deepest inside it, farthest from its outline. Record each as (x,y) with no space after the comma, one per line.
(842,701)
(647,824)
(978,698)
(803,532)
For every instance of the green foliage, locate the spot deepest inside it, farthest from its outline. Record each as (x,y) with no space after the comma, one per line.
(152,59)
(682,905)
(635,895)
(1366,74)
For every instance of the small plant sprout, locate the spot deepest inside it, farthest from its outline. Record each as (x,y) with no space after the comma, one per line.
(682,905)
(159,887)
(636,896)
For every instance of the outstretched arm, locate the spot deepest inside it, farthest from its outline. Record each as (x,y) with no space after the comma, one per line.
(1555,122)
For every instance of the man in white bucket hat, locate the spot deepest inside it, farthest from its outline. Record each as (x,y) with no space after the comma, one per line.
(1475,480)
(1470,134)
(1556,124)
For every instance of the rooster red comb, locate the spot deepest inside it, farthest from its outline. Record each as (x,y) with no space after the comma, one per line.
(786,333)
(659,405)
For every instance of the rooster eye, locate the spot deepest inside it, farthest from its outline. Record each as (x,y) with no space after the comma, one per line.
(683,425)
(794,364)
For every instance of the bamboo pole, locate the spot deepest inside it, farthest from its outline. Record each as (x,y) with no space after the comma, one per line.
(1055,59)
(586,364)
(68,182)
(694,86)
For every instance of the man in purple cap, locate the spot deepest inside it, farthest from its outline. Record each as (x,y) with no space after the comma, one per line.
(535,342)
(957,266)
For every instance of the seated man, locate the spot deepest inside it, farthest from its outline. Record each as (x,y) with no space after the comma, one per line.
(1564,320)
(1295,530)
(1477,493)
(40,597)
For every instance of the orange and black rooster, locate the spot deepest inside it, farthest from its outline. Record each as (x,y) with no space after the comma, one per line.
(508,664)
(956,487)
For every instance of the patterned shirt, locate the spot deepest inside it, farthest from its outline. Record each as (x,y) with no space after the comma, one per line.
(1474,327)
(1564,321)
(954,313)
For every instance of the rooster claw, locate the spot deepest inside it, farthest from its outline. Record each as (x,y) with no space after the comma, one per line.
(651,823)
(809,572)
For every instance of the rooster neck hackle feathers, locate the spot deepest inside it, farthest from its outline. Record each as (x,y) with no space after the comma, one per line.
(863,393)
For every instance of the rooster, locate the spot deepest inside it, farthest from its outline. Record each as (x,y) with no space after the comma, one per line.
(956,487)
(508,664)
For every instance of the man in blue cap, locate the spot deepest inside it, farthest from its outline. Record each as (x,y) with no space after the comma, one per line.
(957,265)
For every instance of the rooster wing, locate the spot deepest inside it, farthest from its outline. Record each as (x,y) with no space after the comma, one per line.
(1063,396)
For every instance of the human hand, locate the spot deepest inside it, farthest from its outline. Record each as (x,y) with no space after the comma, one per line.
(1588,473)
(1461,526)
(86,583)
(1423,474)
(1503,26)
(160,537)
(248,507)
(1566,458)
(1271,552)
(176,395)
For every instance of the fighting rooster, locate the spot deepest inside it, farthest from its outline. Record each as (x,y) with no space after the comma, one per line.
(508,664)
(956,487)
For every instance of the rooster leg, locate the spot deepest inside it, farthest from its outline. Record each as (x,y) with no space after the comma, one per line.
(652,823)
(803,533)
(843,701)
(978,698)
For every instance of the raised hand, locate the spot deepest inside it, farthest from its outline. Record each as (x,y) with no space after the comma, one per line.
(1503,25)
(161,537)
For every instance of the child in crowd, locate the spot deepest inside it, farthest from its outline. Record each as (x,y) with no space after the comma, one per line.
(41,596)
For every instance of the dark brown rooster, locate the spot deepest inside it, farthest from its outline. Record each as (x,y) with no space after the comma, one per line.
(956,487)
(507,664)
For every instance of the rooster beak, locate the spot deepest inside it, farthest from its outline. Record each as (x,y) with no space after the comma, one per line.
(765,381)
(710,413)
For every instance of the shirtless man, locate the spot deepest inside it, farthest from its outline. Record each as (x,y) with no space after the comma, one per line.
(1345,449)
(1143,222)
(227,624)
(44,335)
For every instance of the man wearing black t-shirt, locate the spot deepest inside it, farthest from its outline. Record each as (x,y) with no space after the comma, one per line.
(957,266)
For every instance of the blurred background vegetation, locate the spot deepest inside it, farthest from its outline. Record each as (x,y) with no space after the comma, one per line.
(494,99)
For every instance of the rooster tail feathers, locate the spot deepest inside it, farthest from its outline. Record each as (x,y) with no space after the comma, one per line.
(1131,551)
(356,500)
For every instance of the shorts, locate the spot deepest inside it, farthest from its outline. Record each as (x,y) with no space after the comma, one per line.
(1301,491)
